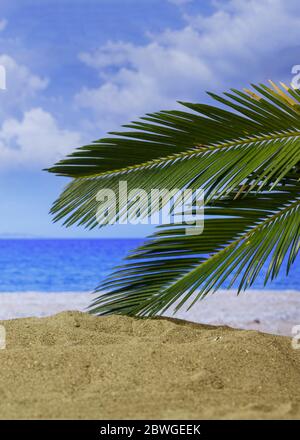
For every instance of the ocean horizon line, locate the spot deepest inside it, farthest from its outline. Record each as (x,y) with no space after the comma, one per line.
(93,292)
(68,238)
(73,264)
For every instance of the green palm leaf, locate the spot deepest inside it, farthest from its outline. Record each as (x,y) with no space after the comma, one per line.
(239,237)
(247,161)
(169,132)
(236,146)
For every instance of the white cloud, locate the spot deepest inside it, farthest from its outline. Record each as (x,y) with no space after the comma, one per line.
(21,86)
(152,77)
(238,43)
(34,141)
(3,24)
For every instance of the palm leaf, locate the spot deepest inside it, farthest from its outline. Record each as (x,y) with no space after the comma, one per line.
(247,161)
(169,132)
(217,150)
(239,238)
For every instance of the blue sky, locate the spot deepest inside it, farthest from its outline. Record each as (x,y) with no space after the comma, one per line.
(78,68)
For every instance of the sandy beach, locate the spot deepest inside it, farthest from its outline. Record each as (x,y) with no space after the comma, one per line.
(74,365)
(269,311)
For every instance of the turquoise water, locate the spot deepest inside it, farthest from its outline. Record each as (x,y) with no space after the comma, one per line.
(78,265)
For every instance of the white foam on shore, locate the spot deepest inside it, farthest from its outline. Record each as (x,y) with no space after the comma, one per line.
(25,304)
(270,311)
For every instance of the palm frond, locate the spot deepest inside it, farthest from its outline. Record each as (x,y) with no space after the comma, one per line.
(246,158)
(169,132)
(217,150)
(239,238)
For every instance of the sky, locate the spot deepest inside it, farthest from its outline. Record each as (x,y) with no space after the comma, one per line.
(76,69)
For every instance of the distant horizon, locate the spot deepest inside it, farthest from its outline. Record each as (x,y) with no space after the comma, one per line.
(78,265)
(29,237)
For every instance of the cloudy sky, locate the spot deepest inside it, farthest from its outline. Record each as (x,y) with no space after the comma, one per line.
(78,68)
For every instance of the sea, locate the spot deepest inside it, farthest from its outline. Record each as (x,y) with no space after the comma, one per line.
(79,265)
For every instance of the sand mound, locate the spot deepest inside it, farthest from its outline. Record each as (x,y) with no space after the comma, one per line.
(73,365)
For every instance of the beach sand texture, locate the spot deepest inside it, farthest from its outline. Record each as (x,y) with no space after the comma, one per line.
(73,365)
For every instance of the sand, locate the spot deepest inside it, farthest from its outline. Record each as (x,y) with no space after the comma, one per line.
(270,311)
(73,365)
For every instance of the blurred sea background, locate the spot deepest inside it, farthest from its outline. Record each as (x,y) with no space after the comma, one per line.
(40,277)
(77,265)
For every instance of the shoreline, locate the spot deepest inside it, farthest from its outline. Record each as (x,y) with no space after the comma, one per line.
(270,311)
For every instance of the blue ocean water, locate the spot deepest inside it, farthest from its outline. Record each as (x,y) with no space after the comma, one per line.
(79,265)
